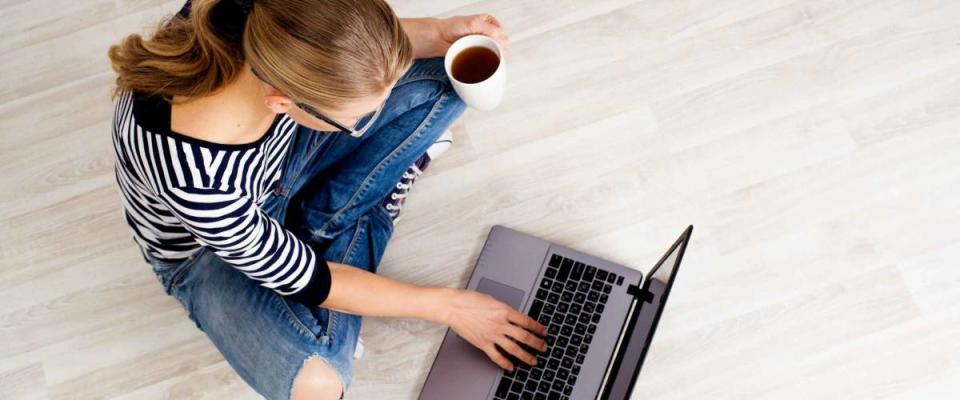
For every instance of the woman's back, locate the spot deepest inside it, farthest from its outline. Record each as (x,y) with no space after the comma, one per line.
(180,193)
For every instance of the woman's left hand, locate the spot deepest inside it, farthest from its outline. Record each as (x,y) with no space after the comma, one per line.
(432,37)
(454,28)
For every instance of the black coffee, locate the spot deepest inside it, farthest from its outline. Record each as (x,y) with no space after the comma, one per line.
(475,64)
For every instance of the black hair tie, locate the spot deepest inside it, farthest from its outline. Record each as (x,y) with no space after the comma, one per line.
(244,5)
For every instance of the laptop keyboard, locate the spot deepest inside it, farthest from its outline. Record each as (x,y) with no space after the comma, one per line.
(569,301)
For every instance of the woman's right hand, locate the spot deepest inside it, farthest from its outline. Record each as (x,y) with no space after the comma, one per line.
(488,324)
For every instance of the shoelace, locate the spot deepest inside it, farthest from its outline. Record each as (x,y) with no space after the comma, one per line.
(406,182)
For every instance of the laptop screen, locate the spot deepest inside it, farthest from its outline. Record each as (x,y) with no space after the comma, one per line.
(647,311)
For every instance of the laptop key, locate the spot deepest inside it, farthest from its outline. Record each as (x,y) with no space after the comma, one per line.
(540,396)
(577,272)
(579,298)
(549,308)
(504,387)
(601,274)
(553,396)
(593,296)
(566,296)
(544,319)
(557,287)
(541,294)
(565,267)
(576,339)
(531,386)
(526,396)
(553,363)
(550,273)
(606,288)
(562,307)
(546,283)
(513,396)
(575,309)
(516,387)
(567,362)
(600,308)
(587,338)
(603,298)
(536,374)
(535,309)
(555,260)
(597,285)
(553,297)
(580,329)
(588,306)
(614,277)
(596,318)
(589,273)
(592,328)
(619,281)
(558,385)
(544,386)
(548,375)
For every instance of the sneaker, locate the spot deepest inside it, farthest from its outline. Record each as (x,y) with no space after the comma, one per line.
(394,201)
(358,352)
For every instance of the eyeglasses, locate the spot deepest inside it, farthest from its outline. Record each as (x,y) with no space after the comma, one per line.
(359,128)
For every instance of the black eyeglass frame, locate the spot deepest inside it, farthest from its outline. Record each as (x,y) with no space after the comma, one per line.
(354,132)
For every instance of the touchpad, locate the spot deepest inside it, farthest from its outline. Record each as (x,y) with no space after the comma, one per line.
(461,370)
(499,291)
(507,294)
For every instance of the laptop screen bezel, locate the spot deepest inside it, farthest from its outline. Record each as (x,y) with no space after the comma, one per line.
(679,246)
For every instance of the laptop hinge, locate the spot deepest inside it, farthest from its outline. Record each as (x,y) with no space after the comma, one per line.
(640,294)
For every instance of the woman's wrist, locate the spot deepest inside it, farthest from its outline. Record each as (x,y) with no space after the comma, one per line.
(425,35)
(438,305)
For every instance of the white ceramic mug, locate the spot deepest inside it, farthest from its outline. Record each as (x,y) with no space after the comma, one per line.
(484,95)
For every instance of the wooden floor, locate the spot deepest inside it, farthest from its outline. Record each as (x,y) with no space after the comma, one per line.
(809,142)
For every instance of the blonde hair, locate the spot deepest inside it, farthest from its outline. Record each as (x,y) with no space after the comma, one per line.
(323,53)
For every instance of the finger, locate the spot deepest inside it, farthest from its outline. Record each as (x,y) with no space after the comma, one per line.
(527,323)
(498,358)
(524,336)
(515,350)
(487,25)
(492,20)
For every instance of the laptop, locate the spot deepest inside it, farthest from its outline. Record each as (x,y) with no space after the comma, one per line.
(600,317)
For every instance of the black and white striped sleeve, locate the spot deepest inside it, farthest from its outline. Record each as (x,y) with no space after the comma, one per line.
(243,235)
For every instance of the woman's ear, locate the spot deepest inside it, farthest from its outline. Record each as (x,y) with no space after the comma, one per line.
(276,101)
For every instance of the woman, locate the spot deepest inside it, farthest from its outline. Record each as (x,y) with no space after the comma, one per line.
(259,146)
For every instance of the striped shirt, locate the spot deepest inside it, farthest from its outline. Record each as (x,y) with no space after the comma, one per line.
(181,193)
